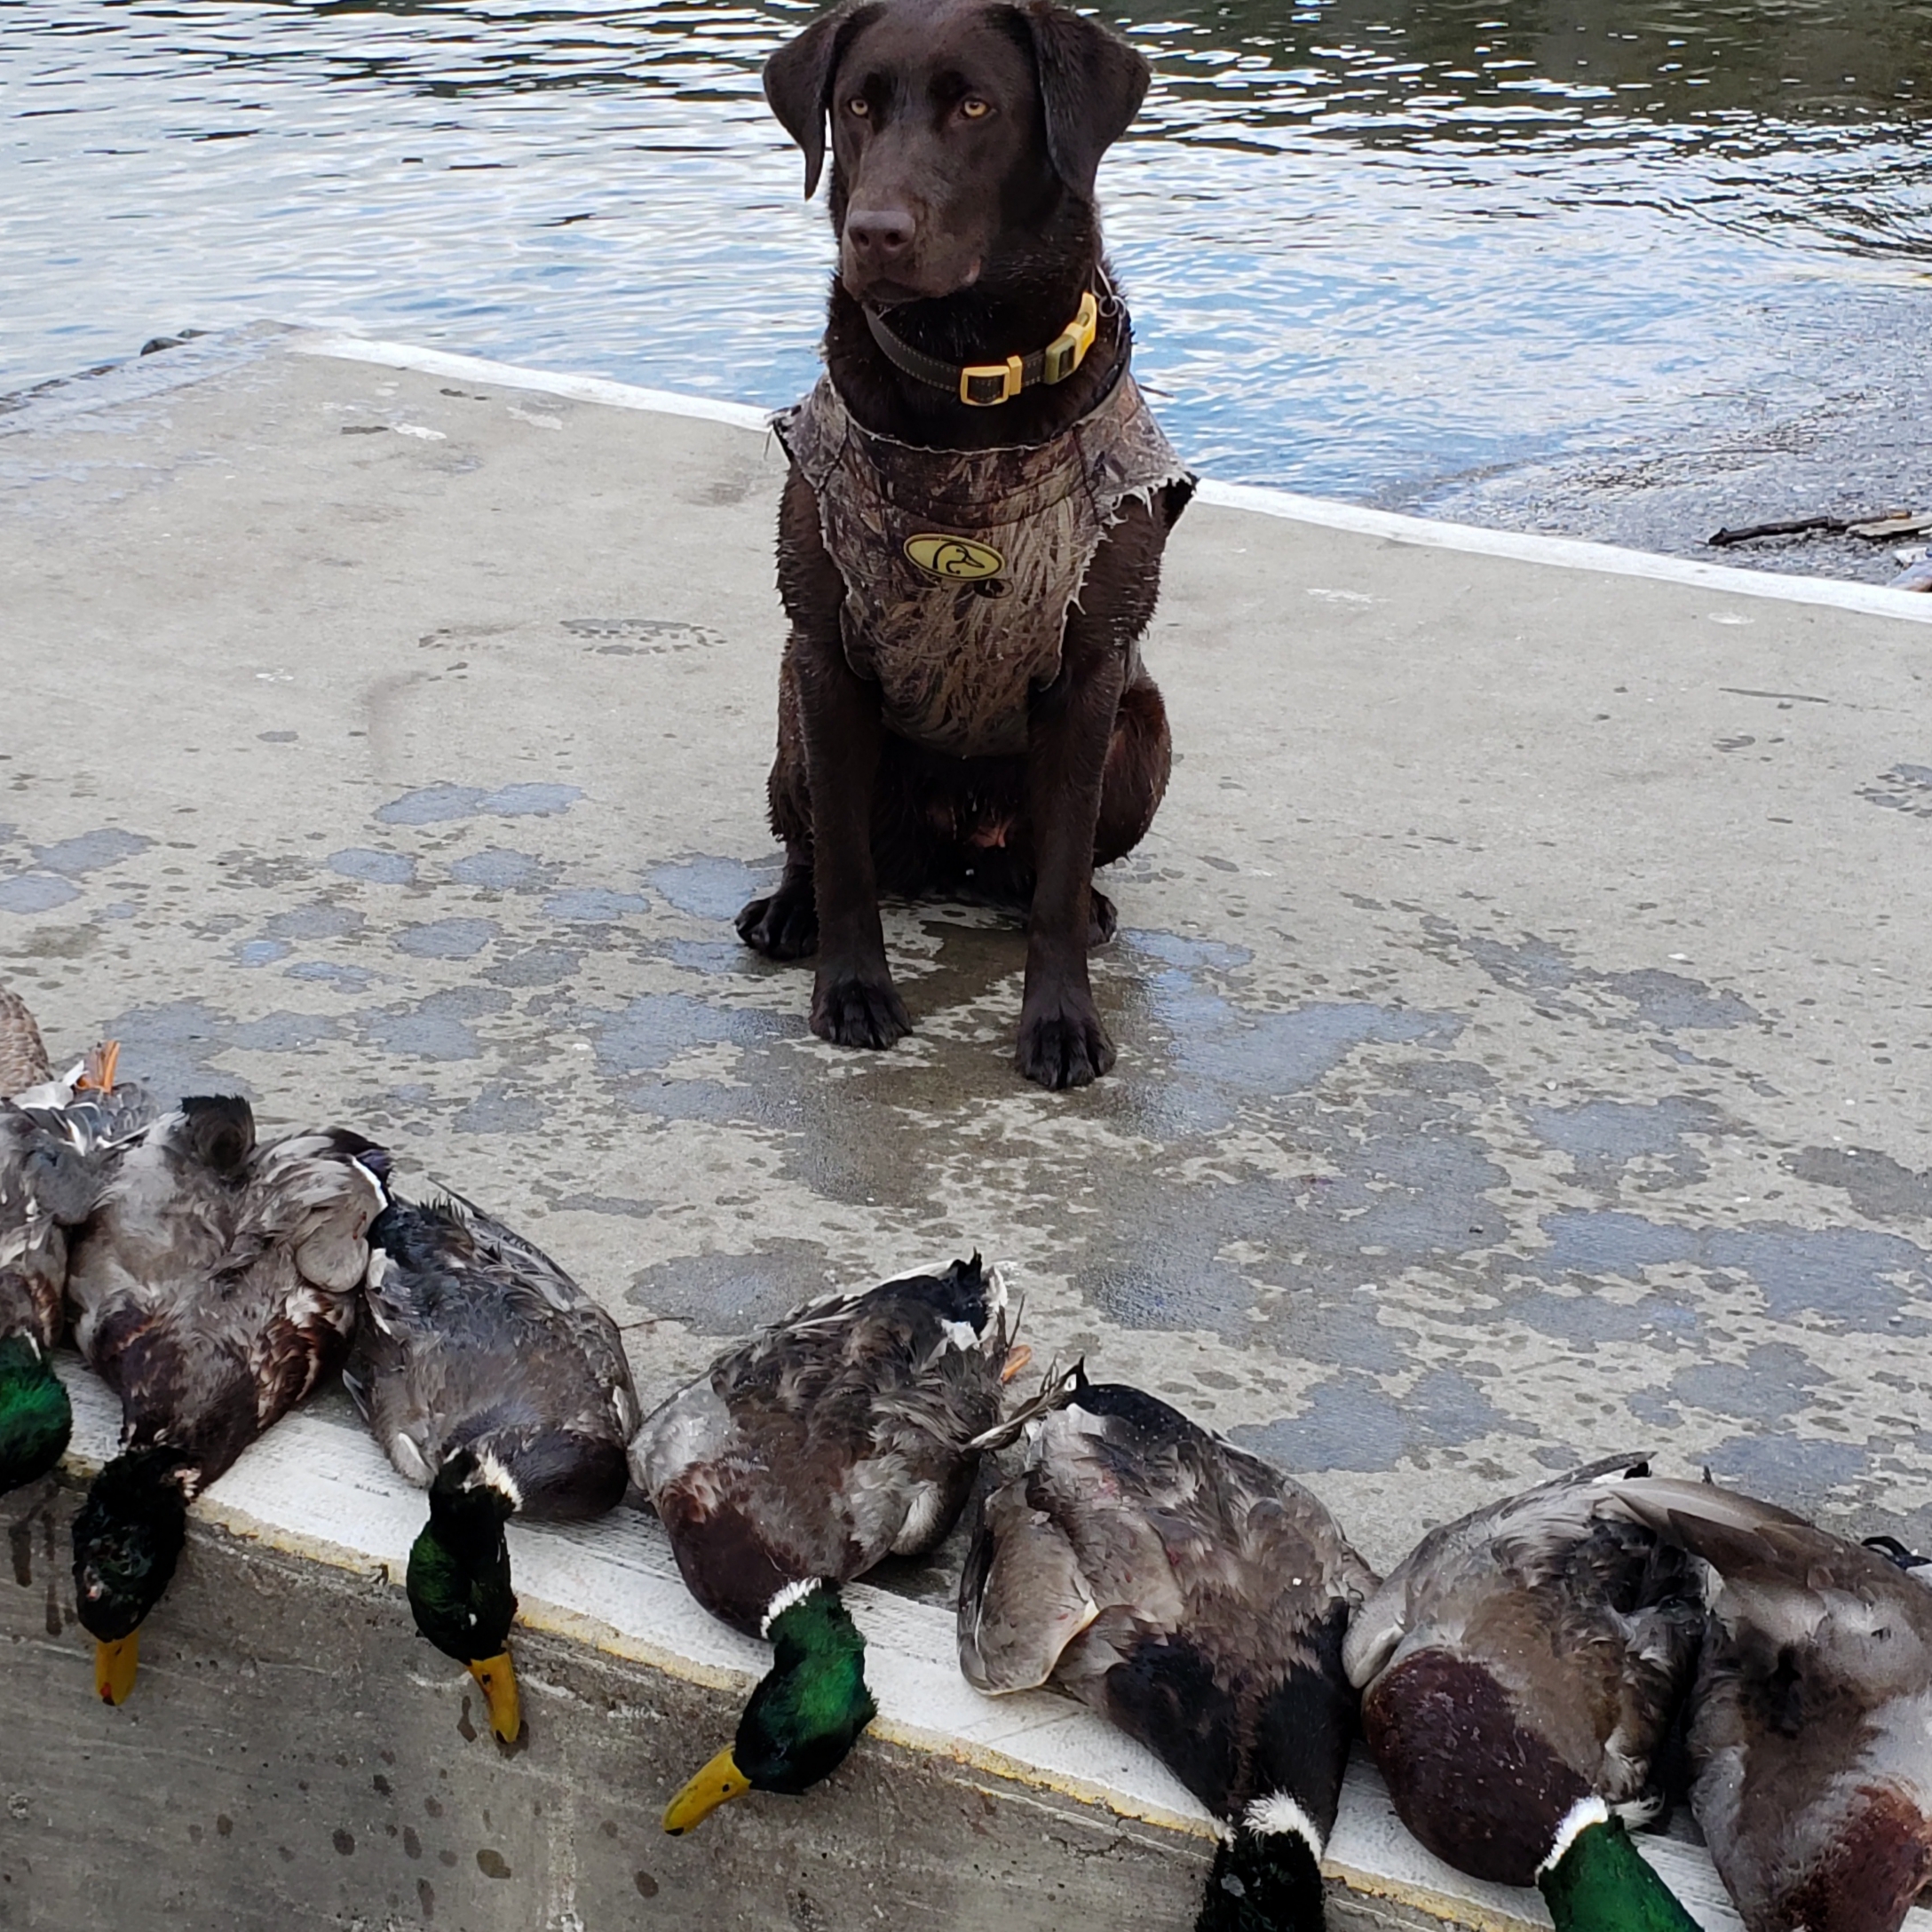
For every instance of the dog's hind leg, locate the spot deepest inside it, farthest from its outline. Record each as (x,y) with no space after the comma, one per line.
(1139,760)
(785,925)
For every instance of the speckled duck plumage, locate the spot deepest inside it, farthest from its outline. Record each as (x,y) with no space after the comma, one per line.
(1198,1598)
(840,1436)
(1810,1727)
(216,1282)
(475,1339)
(1523,1661)
(59,1139)
(214,1285)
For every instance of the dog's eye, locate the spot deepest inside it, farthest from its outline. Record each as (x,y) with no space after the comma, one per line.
(857,106)
(974,108)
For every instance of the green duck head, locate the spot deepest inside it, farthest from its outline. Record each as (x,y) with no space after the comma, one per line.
(127,1540)
(36,1420)
(1595,1880)
(459,1579)
(805,1715)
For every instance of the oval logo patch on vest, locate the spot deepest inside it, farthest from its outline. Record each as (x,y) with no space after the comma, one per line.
(954,560)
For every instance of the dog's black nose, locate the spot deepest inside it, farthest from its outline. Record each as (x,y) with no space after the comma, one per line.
(879,234)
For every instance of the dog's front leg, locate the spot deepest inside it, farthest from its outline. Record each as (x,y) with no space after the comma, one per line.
(1062,1042)
(853,1003)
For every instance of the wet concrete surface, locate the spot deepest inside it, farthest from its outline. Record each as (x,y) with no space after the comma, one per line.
(1521,995)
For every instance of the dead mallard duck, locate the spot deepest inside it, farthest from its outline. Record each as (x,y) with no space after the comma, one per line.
(491,1379)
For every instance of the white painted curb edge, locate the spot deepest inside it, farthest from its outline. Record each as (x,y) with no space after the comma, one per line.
(1565,553)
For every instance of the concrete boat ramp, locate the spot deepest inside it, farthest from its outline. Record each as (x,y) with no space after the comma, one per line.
(1523,1010)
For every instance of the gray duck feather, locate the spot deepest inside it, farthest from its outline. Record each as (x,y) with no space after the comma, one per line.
(23,1057)
(847,1432)
(1181,1587)
(1529,1656)
(1811,1719)
(58,1141)
(215,1282)
(475,1339)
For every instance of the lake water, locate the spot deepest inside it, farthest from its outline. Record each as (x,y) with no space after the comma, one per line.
(1624,268)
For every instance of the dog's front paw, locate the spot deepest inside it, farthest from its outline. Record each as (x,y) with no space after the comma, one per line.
(1063,1044)
(854,1011)
(785,926)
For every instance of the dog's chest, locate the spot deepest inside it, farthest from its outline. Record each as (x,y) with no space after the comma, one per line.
(960,566)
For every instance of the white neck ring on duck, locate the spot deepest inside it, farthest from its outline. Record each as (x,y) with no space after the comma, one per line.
(490,1474)
(1279,1812)
(793,1593)
(1576,1821)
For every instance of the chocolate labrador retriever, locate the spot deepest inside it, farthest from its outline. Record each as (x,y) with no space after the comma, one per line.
(970,536)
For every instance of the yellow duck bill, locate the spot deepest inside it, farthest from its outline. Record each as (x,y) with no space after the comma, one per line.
(115,1664)
(498,1677)
(718,1783)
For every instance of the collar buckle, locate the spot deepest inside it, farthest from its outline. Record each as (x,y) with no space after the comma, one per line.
(1068,350)
(982,386)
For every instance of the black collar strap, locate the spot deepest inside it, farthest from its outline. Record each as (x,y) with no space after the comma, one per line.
(982,384)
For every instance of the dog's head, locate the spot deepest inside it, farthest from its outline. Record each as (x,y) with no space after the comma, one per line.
(960,128)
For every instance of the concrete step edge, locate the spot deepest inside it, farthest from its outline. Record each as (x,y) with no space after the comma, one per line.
(319,1489)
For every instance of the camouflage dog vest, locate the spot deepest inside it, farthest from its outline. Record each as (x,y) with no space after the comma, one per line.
(960,565)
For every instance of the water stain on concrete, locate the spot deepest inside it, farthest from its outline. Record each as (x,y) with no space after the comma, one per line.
(710,887)
(1800,1470)
(1351,1421)
(495,1110)
(1845,1277)
(1880,1188)
(497,870)
(1543,972)
(36,892)
(372,867)
(447,939)
(173,1045)
(434,804)
(91,852)
(318,921)
(726,1294)
(593,906)
(533,966)
(649,1032)
(326,972)
(436,1027)
(1773,1378)
(1606,1138)
(1906,788)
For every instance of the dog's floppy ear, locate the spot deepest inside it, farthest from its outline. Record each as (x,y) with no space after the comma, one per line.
(798,79)
(1091,84)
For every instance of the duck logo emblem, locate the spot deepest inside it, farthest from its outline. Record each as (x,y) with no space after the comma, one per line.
(954,560)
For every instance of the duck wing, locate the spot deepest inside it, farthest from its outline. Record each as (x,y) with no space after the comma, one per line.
(297,1259)
(840,1435)
(23,1057)
(1185,1589)
(475,1337)
(215,1282)
(1521,1659)
(142,1272)
(1812,1725)
(33,1245)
